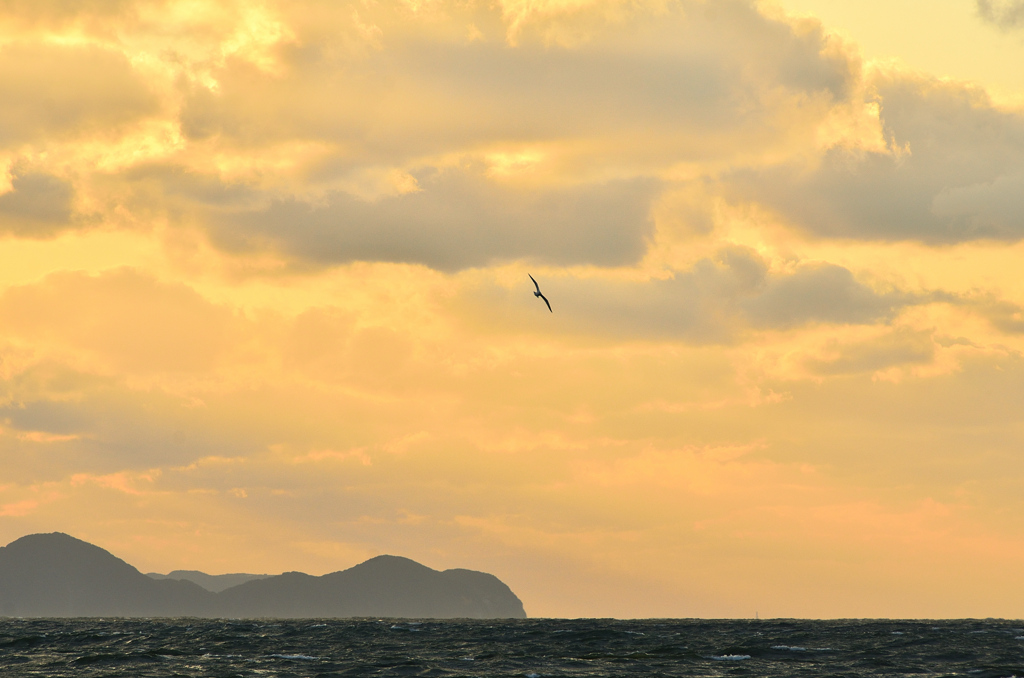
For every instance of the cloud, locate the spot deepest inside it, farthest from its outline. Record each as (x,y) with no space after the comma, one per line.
(719,300)
(456,219)
(546,150)
(421,92)
(108,426)
(952,173)
(58,11)
(895,348)
(1004,13)
(1006,316)
(124,318)
(53,91)
(336,132)
(37,205)
(823,293)
(47,416)
(647,91)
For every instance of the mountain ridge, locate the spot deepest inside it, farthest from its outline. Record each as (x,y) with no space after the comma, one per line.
(57,575)
(215,583)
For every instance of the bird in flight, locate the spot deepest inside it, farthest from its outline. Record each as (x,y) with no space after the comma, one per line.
(539,294)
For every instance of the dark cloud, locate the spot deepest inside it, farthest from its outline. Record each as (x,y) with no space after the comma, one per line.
(1003,13)
(59,418)
(955,175)
(717,301)
(38,206)
(458,219)
(820,293)
(1005,316)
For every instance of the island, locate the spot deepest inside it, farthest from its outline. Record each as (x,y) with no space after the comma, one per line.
(57,575)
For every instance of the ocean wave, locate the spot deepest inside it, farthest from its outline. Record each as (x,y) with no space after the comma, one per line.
(162,648)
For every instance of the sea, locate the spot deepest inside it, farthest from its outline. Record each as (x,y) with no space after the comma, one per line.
(528,648)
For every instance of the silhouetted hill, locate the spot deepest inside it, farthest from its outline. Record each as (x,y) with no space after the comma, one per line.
(55,575)
(385,586)
(211,582)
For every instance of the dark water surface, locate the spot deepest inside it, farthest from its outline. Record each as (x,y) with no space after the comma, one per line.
(525,648)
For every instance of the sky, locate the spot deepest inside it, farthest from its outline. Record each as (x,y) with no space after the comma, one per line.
(265,305)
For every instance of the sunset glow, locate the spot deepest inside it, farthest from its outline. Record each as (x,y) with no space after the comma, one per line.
(265,305)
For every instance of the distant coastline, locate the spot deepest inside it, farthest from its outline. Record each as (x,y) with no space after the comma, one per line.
(57,575)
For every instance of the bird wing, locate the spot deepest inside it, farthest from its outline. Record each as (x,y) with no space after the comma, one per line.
(546,302)
(534,282)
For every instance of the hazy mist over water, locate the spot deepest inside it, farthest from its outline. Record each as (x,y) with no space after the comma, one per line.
(523,648)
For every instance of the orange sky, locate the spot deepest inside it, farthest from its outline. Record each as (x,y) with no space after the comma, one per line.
(264,302)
